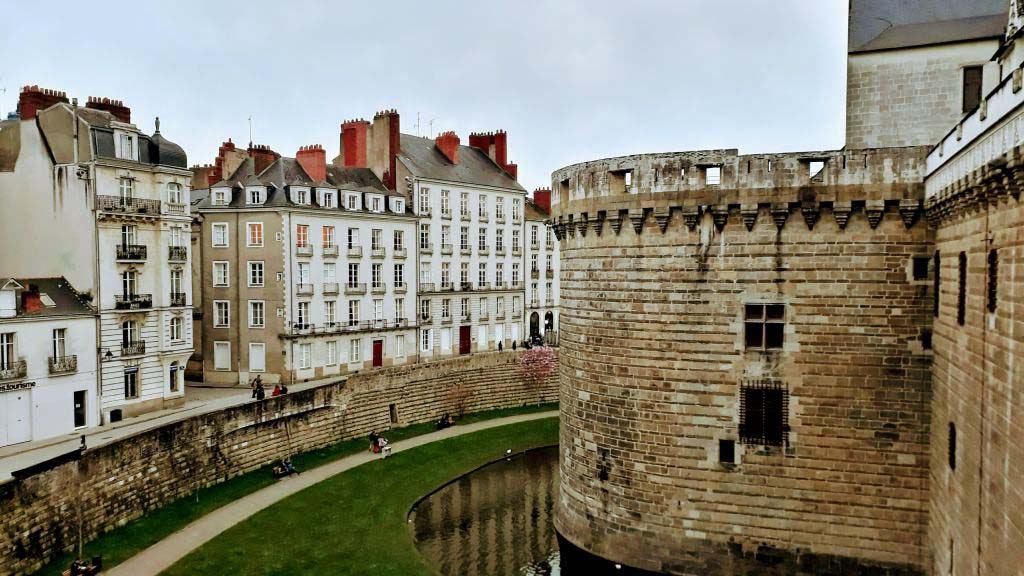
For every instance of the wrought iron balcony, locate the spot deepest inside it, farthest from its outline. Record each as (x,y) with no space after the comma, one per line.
(330,288)
(131,252)
(133,348)
(355,288)
(303,249)
(376,253)
(177,253)
(304,289)
(13,369)
(63,364)
(127,205)
(330,251)
(399,253)
(178,299)
(305,329)
(355,251)
(133,301)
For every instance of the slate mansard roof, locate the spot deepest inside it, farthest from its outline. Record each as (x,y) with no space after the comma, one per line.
(424,160)
(155,150)
(47,297)
(892,24)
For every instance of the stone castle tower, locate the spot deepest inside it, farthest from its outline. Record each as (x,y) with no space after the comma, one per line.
(766,358)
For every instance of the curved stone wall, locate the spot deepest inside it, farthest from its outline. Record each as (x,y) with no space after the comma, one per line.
(119,482)
(658,264)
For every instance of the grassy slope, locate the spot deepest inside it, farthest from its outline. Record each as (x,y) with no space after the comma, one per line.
(355,522)
(122,543)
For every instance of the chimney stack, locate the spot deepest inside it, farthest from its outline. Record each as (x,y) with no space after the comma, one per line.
(313,160)
(448,144)
(542,198)
(384,143)
(115,107)
(353,143)
(262,157)
(33,99)
(495,145)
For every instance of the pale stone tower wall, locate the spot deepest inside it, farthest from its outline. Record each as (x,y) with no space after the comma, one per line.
(657,265)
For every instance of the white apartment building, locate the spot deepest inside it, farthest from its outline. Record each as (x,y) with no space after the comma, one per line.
(107,207)
(311,271)
(542,270)
(47,360)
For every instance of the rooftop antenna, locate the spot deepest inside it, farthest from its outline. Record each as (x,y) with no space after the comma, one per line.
(418,124)
(250,131)
(432,127)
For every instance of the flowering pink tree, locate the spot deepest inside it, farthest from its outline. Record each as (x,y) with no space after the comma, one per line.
(538,364)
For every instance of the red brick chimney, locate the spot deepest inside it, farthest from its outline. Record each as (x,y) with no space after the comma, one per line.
(384,144)
(262,157)
(448,144)
(353,143)
(495,145)
(33,99)
(313,160)
(115,107)
(542,198)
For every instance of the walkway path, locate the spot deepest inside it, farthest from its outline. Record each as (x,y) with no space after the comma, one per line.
(161,555)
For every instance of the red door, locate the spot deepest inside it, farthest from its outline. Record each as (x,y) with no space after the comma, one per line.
(464,336)
(378,352)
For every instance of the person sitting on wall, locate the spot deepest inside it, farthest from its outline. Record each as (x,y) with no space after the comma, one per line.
(383,447)
(445,421)
(288,467)
(374,447)
(277,391)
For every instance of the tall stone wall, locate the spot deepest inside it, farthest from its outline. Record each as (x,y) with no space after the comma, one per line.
(657,268)
(977,481)
(120,482)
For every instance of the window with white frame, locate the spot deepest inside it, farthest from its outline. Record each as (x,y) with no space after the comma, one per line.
(376,204)
(515,306)
(303,273)
(327,232)
(400,346)
(424,236)
(378,309)
(330,312)
(399,275)
(353,238)
(397,206)
(331,353)
(59,343)
(399,240)
(305,356)
(255,273)
(129,332)
(483,307)
(127,148)
(176,331)
(352,201)
(302,196)
(221,313)
(499,207)
(533,262)
(220,235)
(425,309)
(257,357)
(355,348)
(446,207)
(129,283)
(499,273)
(515,272)
(533,235)
(177,280)
(376,239)
(464,238)
(446,309)
(353,274)
(465,308)
(424,200)
(515,238)
(464,272)
(302,315)
(222,355)
(131,382)
(353,312)
(446,278)
(330,272)
(221,277)
(500,306)
(257,313)
(464,203)
(482,239)
(499,239)
(399,308)
(177,236)
(482,206)
(301,235)
(327,199)
(424,272)
(547,235)
(446,235)
(221,196)
(126,188)
(256,195)
(482,273)
(426,339)
(174,193)
(377,275)
(516,208)
(254,239)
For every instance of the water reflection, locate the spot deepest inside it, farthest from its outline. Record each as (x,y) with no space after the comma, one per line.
(496,521)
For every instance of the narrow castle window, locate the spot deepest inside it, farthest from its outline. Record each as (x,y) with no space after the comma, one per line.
(961,299)
(764,326)
(951,446)
(971,88)
(727,451)
(936,285)
(763,413)
(921,267)
(993,279)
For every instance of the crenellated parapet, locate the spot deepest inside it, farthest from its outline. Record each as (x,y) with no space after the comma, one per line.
(681,188)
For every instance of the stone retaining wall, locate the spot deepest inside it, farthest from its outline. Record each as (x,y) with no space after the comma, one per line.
(120,482)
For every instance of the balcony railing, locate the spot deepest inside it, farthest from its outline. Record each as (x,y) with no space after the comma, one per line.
(305,329)
(399,253)
(446,214)
(483,216)
(378,288)
(464,318)
(177,253)
(376,253)
(330,251)
(424,212)
(128,205)
(133,348)
(517,251)
(331,288)
(500,251)
(534,246)
(355,252)
(534,303)
(482,286)
(446,319)
(355,288)
(499,316)
(13,369)
(133,301)
(178,299)
(465,250)
(304,289)
(428,287)
(175,208)
(464,215)
(446,286)
(483,315)
(400,288)
(500,218)
(63,364)
(534,272)
(446,248)
(484,251)
(550,272)
(515,285)
(426,248)
(133,252)
(465,286)
(304,250)
(550,245)
(549,301)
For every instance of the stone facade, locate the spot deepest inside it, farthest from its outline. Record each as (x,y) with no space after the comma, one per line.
(116,483)
(661,256)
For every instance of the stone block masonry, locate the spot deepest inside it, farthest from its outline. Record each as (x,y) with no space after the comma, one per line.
(117,483)
(668,263)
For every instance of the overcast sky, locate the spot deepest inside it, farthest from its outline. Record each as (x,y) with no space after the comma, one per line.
(570,80)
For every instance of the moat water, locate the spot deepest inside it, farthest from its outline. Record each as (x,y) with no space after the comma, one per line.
(495,521)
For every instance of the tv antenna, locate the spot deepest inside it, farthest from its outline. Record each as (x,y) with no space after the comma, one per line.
(250,131)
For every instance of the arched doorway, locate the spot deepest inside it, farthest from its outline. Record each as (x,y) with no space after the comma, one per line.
(173,376)
(549,321)
(534,325)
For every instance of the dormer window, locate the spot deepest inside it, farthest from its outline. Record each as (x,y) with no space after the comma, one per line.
(376,204)
(126,149)
(256,195)
(301,196)
(352,201)
(397,206)
(174,193)
(220,197)
(327,199)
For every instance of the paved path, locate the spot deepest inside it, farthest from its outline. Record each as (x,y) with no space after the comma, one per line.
(161,555)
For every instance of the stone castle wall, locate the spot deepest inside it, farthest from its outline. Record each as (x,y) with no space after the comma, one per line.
(120,482)
(657,267)
(977,493)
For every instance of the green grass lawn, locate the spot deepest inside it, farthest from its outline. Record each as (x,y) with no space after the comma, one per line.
(355,522)
(122,543)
